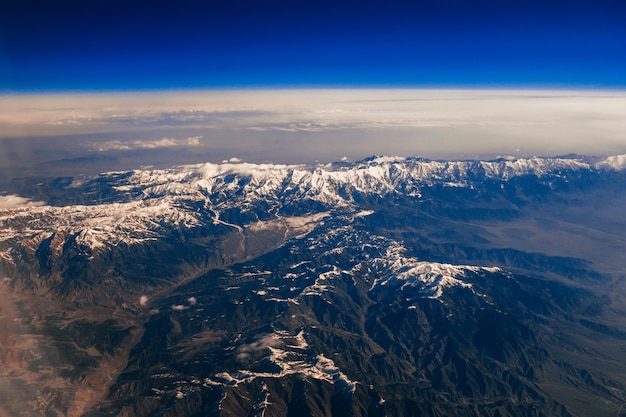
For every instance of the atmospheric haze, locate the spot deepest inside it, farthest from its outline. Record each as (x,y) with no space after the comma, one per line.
(66,134)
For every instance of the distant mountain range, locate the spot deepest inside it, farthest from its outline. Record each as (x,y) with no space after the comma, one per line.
(390,286)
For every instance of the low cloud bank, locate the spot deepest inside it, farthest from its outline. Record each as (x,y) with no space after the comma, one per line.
(116,145)
(326,125)
(14,201)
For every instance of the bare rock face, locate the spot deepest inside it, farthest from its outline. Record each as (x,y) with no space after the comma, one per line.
(390,286)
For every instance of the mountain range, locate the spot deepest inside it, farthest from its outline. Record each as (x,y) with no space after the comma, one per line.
(388,286)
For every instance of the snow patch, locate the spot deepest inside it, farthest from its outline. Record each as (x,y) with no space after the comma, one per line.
(291,355)
(431,278)
(616,162)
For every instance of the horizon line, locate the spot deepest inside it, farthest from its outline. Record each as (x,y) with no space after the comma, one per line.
(373,87)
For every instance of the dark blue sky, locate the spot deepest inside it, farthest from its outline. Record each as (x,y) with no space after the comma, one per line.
(109,45)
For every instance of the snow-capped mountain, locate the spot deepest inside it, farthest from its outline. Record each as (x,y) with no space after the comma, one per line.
(368,288)
(135,206)
(99,214)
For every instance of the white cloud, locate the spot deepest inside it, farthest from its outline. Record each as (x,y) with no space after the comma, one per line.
(145,144)
(247,351)
(143,300)
(179,307)
(192,301)
(14,201)
(232,160)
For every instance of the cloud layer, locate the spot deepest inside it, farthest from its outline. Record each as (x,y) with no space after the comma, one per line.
(303,125)
(145,144)
(15,202)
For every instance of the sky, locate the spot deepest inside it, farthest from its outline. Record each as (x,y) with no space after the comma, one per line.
(152,45)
